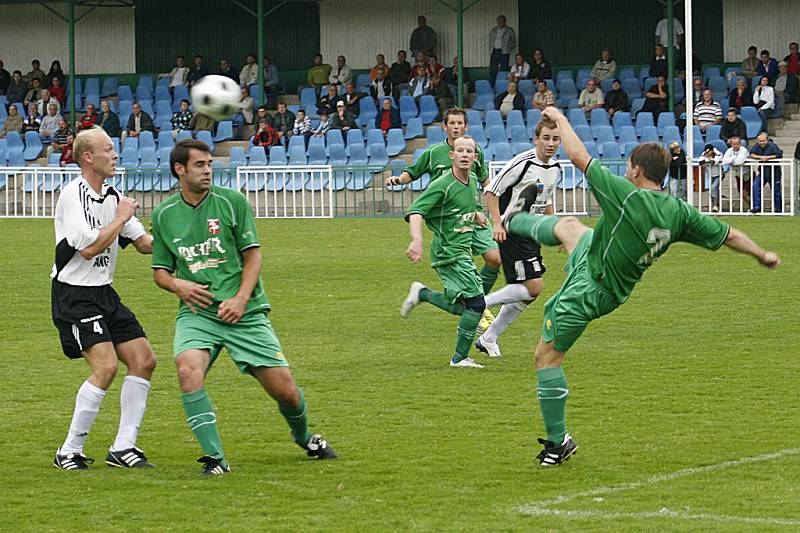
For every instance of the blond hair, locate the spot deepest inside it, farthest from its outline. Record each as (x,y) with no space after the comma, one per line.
(84,141)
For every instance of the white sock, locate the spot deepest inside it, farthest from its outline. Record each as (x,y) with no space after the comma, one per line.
(87,405)
(508,314)
(132,403)
(513,292)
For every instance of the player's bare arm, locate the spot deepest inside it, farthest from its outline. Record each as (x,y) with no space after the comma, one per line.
(739,241)
(493,203)
(414,250)
(191,293)
(125,210)
(402,179)
(573,146)
(232,309)
(144,244)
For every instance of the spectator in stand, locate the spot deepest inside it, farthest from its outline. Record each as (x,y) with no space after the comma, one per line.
(657,97)
(245,113)
(420,82)
(380,88)
(283,122)
(325,124)
(265,136)
(5,78)
(733,166)
(680,67)
(441,93)
(201,122)
(178,75)
(108,120)
(55,72)
(341,73)
(58,91)
(181,118)
(423,38)
(302,126)
(785,85)
(711,162)
(707,112)
(605,67)
(249,73)
(34,93)
(420,60)
(138,122)
(677,170)
(328,101)
(741,96)
(262,115)
(509,99)
(750,64)
(767,67)
(792,60)
(197,72)
(388,118)
(399,74)
(45,100)
(764,101)
(32,120)
(380,66)
(764,151)
(61,138)
(227,70)
(318,73)
(88,119)
(451,74)
(658,65)
(520,70)
(342,120)
(434,68)
(732,127)
(351,98)
(503,41)
(591,97)
(616,99)
(697,89)
(13,122)
(540,69)
(67,152)
(544,97)
(273,85)
(17,89)
(35,73)
(49,124)
(662,32)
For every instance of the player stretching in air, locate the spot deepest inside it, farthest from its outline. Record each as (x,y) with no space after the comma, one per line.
(452,210)
(522,258)
(206,251)
(435,160)
(637,226)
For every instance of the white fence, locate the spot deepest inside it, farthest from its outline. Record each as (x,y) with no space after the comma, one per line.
(288,191)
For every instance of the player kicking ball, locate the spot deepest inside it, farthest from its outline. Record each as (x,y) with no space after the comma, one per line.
(637,226)
(435,161)
(522,257)
(452,210)
(206,251)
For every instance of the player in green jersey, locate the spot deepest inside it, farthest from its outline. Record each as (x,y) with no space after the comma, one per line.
(206,251)
(435,160)
(451,208)
(637,226)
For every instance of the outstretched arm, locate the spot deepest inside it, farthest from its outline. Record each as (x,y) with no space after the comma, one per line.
(739,241)
(569,139)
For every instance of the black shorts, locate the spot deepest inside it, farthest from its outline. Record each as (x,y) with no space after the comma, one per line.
(85,316)
(522,259)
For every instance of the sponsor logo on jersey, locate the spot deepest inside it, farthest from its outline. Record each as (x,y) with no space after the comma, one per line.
(213,226)
(197,255)
(549,324)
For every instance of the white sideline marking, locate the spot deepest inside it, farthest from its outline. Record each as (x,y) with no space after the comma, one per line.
(664,513)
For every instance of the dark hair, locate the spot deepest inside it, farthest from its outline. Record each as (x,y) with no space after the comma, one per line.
(221,59)
(317,56)
(17,72)
(653,159)
(198,56)
(753,48)
(544,122)
(261,107)
(455,111)
(250,54)
(765,51)
(734,109)
(402,52)
(36,61)
(185,100)
(180,152)
(793,43)
(180,57)
(434,57)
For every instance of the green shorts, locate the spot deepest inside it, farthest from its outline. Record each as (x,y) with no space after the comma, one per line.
(251,342)
(460,279)
(482,240)
(579,301)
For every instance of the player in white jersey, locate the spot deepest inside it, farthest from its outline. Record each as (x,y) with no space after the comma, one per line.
(522,259)
(92,220)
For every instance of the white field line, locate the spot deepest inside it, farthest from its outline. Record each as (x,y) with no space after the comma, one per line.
(664,513)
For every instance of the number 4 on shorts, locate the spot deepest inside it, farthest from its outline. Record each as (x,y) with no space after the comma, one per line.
(97,328)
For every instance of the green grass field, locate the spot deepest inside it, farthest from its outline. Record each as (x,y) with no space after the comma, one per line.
(697,371)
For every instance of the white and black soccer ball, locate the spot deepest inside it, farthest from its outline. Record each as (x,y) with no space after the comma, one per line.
(216,97)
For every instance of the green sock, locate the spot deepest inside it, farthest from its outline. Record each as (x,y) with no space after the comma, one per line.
(466,333)
(203,422)
(552,392)
(540,228)
(439,300)
(297,418)
(489,276)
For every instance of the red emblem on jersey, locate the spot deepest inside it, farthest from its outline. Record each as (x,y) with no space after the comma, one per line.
(213,226)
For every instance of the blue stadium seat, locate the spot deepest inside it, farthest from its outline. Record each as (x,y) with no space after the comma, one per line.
(163,154)
(110,86)
(670,134)
(582,77)
(644,73)
(636,105)
(584,132)
(628,147)
(146,140)
(147,106)
(605,85)
(316,154)
(33,145)
(220,175)
(374,136)
(92,86)
(626,134)
(277,155)
(519,139)
(181,93)
(496,134)
(484,95)
(718,86)
(626,73)
(752,120)
(577,117)
(129,156)
(710,72)
(163,111)
(644,119)
(566,88)
(257,156)
(604,134)
(631,88)
(408,109)
(337,155)
(124,93)
(354,137)
(719,144)
(162,93)
(621,119)
(205,136)
(146,81)
(477,133)
(712,133)
(143,94)
(428,110)
(296,140)
(474,117)
(367,111)
(316,141)
(362,81)
(148,155)
(435,135)
(308,100)
(414,128)
(501,152)
(532,118)
(649,134)
(493,118)
(165,139)
(664,120)
(514,118)
(591,147)
(183,134)
(297,154)
(334,137)
(54,160)
(526,88)
(563,74)
(696,133)
(599,117)
(238,157)
(378,156)
(501,85)
(358,179)
(395,143)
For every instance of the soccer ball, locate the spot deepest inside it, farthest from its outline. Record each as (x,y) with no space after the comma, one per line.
(216,97)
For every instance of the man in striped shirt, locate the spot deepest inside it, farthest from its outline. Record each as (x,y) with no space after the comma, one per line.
(708,112)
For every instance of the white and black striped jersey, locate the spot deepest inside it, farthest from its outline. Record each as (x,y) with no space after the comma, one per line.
(80,215)
(523,169)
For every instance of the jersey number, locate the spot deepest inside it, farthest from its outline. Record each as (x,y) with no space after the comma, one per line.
(97,328)
(658,239)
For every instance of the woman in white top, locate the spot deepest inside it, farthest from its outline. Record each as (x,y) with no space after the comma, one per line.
(764,100)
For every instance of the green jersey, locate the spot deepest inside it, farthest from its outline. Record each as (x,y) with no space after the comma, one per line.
(449,208)
(204,244)
(435,160)
(637,227)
